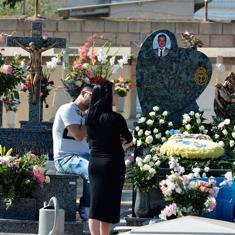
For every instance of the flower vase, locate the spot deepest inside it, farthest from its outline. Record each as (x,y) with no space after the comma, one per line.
(120,104)
(142,204)
(11,119)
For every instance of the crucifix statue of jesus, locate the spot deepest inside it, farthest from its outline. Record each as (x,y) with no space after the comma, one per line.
(35,45)
(35,64)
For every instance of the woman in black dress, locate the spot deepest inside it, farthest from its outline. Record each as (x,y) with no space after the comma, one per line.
(107,131)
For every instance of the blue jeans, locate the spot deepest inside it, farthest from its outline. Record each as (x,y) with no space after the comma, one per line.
(77,164)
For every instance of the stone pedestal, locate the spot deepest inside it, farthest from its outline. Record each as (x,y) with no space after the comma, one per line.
(24,209)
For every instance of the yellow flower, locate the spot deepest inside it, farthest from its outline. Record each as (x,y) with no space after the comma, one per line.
(37,168)
(47,179)
(191,147)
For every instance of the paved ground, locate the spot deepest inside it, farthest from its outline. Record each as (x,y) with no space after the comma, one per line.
(126,206)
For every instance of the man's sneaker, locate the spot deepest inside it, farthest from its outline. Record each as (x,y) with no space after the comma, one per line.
(83,212)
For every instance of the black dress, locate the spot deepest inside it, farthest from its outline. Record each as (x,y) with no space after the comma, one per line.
(107,167)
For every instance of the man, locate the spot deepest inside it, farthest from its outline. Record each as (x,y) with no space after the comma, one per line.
(224,102)
(162,50)
(71,150)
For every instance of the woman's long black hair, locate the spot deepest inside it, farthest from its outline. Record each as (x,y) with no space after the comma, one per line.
(101,103)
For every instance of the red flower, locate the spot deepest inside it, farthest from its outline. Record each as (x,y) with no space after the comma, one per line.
(28,84)
(97,80)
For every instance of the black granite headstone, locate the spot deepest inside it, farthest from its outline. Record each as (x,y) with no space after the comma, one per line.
(172,81)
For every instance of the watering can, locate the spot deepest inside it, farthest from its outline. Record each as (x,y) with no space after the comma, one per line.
(51,219)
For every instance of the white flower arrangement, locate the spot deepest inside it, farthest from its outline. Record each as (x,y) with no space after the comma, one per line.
(192,122)
(152,129)
(144,170)
(223,132)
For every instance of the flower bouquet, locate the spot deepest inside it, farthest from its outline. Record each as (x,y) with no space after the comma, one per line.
(152,129)
(192,122)
(92,67)
(186,194)
(12,73)
(11,100)
(223,132)
(20,175)
(144,170)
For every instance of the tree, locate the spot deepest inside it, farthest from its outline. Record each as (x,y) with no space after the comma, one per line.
(47,8)
(11,3)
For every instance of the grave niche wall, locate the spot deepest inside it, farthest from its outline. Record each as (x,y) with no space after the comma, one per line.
(38,141)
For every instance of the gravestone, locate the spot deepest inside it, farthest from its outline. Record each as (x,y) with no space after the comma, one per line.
(172,80)
(34,135)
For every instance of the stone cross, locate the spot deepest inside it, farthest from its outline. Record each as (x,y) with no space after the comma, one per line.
(35,111)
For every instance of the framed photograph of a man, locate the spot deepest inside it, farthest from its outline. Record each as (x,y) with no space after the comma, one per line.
(161,44)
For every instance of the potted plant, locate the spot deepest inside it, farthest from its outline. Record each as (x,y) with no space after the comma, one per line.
(20,175)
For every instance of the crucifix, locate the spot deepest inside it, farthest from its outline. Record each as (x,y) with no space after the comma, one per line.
(35,45)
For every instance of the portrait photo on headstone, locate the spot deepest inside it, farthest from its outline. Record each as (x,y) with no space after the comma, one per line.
(161,44)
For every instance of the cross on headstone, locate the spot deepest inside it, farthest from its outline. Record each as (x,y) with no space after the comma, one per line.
(35,111)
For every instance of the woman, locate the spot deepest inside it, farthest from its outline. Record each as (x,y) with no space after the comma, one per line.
(107,131)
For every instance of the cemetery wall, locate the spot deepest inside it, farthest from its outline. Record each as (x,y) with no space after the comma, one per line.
(123,33)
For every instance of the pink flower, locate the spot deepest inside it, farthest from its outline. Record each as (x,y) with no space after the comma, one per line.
(166,187)
(129,160)
(212,203)
(92,57)
(45,36)
(204,189)
(7,69)
(77,64)
(39,177)
(121,79)
(168,211)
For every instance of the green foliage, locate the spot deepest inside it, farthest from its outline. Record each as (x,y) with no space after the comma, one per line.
(144,172)
(10,81)
(20,175)
(47,8)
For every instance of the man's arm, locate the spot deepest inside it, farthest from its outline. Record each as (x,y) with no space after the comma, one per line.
(78,132)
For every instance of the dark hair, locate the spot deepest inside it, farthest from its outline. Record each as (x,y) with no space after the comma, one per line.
(162,36)
(101,103)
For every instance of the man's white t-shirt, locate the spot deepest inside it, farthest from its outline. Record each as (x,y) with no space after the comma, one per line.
(66,115)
